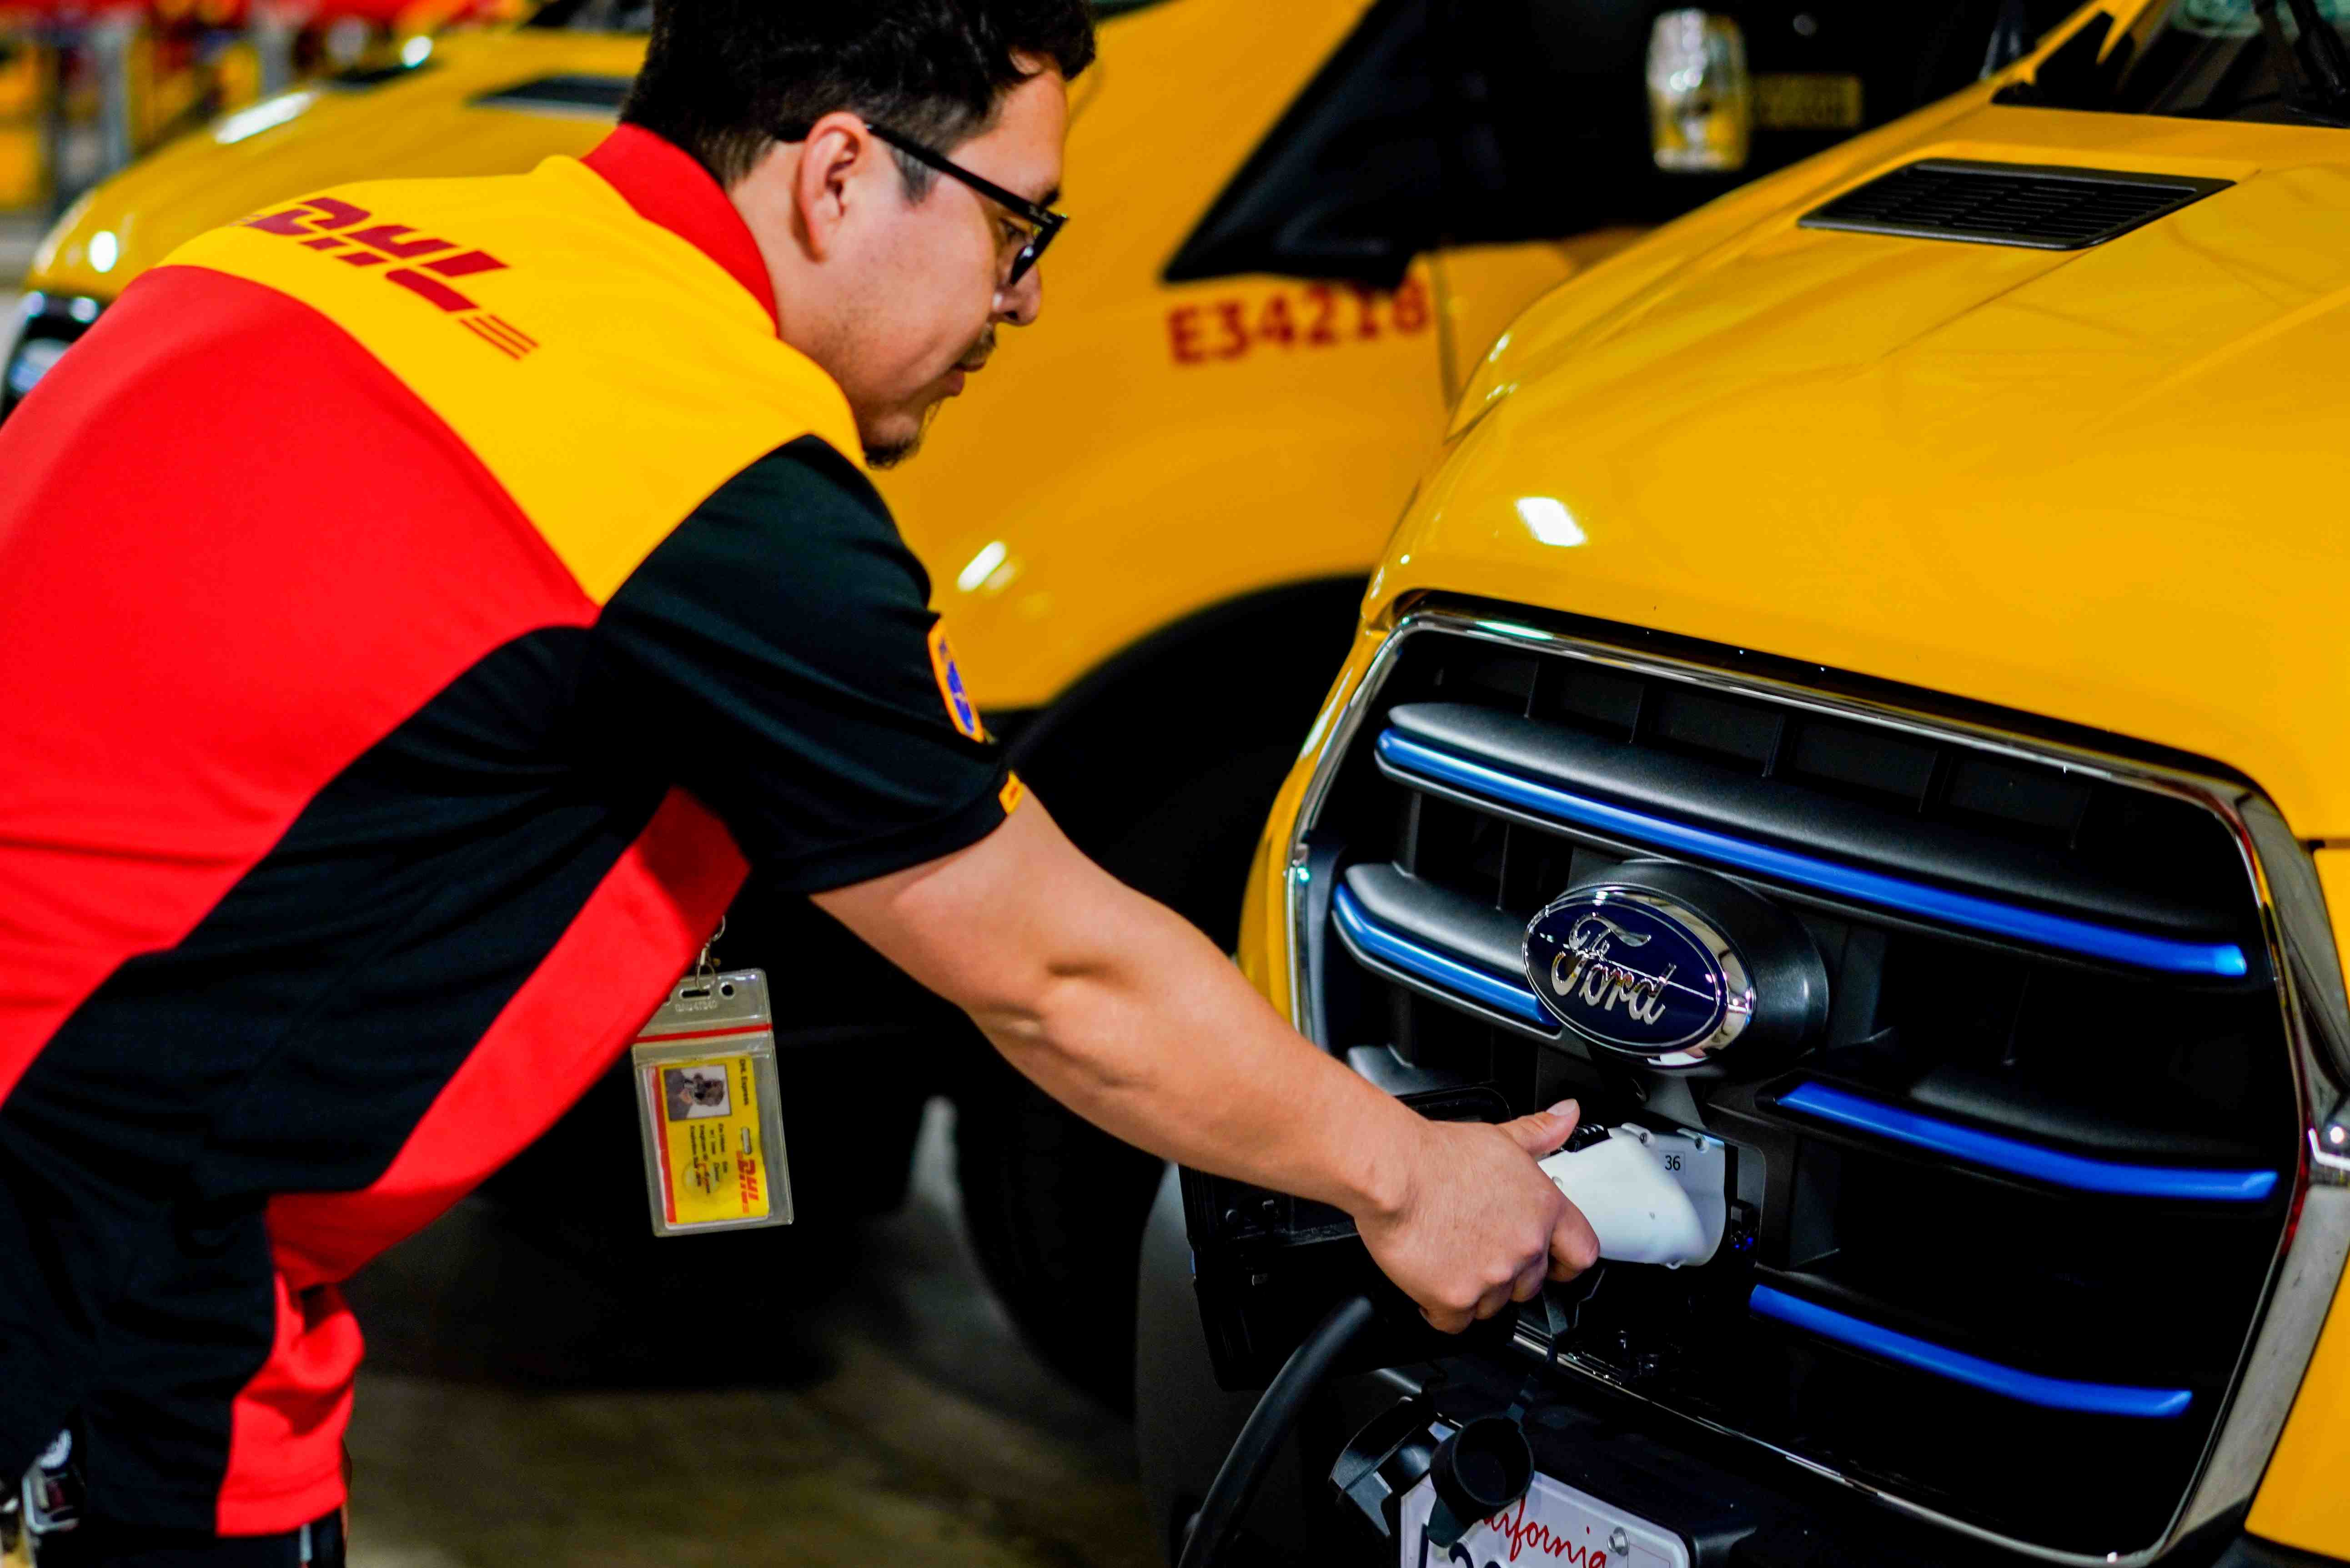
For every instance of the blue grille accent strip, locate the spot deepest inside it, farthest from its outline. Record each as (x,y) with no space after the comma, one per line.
(1436,967)
(1863,1114)
(2031,1387)
(1873,887)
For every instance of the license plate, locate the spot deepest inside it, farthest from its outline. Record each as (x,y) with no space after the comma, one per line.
(1553,1524)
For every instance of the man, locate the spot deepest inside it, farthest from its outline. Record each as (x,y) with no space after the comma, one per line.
(422,602)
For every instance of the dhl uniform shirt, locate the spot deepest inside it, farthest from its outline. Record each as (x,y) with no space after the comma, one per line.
(420,604)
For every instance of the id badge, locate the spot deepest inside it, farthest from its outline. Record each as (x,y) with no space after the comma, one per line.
(707,1103)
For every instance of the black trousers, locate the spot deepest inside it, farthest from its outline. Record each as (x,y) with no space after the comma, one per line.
(97,1544)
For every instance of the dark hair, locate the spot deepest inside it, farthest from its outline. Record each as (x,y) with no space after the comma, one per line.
(720,76)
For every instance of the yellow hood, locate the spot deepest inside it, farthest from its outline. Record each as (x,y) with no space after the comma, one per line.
(423,123)
(2102,485)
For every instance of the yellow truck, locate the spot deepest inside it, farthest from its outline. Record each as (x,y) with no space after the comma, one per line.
(1295,229)
(1851,701)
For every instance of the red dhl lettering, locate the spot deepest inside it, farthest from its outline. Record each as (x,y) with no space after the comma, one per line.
(749,1167)
(329,226)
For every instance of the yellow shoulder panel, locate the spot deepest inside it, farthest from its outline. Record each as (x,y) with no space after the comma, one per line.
(609,374)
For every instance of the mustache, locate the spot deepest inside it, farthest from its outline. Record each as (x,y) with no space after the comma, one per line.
(976,357)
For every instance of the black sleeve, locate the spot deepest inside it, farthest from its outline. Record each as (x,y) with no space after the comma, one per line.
(778,656)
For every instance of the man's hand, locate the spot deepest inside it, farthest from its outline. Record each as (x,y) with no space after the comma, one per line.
(1480,1225)
(1127,1015)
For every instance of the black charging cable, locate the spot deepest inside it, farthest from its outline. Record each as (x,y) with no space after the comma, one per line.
(1269,1425)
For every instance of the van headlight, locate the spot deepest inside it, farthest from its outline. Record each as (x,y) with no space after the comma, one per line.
(1701,95)
(47,325)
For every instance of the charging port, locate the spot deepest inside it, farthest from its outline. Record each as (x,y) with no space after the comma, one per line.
(1634,1323)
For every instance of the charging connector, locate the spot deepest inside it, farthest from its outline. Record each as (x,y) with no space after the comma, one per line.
(1651,1197)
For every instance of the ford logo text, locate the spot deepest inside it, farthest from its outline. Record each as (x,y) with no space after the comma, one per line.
(1636,972)
(1589,975)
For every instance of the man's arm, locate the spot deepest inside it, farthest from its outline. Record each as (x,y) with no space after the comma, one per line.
(1121,1010)
(781,642)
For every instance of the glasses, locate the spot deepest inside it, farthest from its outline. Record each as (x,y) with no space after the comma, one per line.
(1043,222)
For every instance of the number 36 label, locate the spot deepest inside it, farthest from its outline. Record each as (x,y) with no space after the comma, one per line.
(1318,316)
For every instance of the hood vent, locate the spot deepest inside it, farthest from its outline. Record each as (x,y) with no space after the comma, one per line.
(585,97)
(2048,209)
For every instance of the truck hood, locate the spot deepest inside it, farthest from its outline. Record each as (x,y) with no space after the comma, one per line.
(2101,485)
(423,122)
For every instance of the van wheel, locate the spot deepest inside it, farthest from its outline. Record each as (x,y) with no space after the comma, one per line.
(1055,1209)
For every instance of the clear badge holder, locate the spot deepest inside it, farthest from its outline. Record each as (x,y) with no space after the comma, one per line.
(709,1108)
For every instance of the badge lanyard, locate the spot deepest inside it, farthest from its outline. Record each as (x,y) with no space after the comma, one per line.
(707,1103)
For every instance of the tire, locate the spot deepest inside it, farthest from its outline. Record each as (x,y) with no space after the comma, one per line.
(1056,1208)
(849,1130)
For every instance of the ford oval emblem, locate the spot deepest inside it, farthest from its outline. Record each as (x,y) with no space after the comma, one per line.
(1640,972)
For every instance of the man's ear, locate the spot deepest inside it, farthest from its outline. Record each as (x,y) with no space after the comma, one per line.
(824,186)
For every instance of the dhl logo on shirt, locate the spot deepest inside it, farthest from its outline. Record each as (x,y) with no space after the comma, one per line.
(656,405)
(331,227)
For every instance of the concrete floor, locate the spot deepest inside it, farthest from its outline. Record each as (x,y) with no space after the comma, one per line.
(877,1409)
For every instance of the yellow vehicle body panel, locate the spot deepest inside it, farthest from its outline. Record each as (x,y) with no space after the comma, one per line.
(1125,480)
(330,136)
(1148,450)
(2085,484)
(1264,942)
(1145,451)
(2096,485)
(23,135)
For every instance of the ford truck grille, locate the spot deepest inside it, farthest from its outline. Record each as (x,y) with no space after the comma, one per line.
(2013,1219)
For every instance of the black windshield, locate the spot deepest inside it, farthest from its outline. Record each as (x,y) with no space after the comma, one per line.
(594,16)
(2195,60)
(637,15)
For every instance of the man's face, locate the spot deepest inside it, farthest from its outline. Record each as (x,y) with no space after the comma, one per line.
(928,297)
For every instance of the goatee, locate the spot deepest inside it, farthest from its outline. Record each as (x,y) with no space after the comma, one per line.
(889,454)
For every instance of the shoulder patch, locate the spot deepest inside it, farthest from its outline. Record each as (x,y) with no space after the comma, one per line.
(960,713)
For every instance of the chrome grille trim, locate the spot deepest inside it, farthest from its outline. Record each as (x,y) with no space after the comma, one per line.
(2298,933)
(1488,786)
(1461,999)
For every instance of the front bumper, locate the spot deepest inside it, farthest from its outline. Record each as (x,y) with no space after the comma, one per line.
(1730,1512)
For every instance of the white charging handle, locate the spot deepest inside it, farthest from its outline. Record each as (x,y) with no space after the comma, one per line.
(1651,1197)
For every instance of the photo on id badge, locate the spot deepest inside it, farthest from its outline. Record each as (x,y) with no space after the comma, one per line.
(694,1092)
